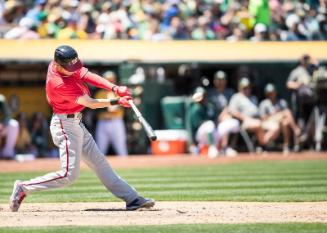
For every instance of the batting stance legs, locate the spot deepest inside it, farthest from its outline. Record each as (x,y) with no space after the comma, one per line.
(74,142)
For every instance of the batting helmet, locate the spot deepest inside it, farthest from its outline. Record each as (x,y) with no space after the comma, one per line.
(67,57)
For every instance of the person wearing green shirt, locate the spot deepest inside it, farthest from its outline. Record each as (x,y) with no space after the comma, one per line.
(260,11)
(201,117)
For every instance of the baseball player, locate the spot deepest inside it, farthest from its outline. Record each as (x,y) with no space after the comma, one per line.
(68,94)
(110,128)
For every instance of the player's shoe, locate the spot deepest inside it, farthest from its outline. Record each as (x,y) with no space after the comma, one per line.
(140,202)
(17,196)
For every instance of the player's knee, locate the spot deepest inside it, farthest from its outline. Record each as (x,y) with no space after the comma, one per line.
(234,125)
(71,176)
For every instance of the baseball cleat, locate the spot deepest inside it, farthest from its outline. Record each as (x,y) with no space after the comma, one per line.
(139,203)
(17,196)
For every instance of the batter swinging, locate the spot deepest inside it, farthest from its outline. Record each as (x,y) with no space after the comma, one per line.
(68,94)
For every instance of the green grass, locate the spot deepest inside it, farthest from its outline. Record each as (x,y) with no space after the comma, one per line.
(256,181)
(224,228)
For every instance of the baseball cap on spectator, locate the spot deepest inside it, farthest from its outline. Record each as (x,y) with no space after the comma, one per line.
(70,3)
(260,28)
(270,88)
(244,82)
(198,94)
(291,20)
(86,8)
(221,75)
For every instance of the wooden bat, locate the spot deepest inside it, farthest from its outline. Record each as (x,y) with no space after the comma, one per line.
(147,127)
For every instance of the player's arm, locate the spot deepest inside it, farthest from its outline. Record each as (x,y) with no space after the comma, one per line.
(92,103)
(293,85)
(100,82)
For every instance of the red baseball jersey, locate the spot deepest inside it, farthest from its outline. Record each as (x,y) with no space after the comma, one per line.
(63,91)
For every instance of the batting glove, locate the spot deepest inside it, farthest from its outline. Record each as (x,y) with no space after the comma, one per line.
(121,91)
(123,101)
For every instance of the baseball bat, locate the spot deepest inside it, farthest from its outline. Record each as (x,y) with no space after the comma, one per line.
(147,127)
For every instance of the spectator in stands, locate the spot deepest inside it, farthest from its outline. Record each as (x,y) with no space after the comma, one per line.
(260,32)
(25,30)
(13,12)
(24,141)
(86,21)
(9,129)
(276,115)
(110,129)
(35,12)
(158,20)
(203,31)
(294,34)
(260,12)
(244,107)
(39,134)
(220,96)
(71,31)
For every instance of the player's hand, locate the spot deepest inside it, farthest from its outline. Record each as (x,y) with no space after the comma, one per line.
(123,101)
(121,91)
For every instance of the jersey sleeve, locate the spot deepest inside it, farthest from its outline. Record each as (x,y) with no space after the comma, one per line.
(97,81)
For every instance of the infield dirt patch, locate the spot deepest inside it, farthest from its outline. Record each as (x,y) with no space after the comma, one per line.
(113,213)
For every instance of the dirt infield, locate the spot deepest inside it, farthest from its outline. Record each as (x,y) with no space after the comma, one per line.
(159,161)
(113,213)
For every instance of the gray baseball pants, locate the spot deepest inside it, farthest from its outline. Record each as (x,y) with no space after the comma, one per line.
(75,142)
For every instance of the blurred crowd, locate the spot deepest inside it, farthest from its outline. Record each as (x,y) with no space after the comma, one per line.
(268,124)
(232,20)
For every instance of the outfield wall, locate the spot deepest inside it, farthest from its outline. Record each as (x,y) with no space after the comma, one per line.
(163,51)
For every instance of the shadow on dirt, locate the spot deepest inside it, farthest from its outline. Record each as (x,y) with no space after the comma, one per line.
(118,210)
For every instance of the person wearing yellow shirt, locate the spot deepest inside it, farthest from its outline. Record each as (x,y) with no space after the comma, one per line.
(71,31)
(110,129)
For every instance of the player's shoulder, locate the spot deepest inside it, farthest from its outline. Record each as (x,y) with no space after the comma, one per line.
(54,81)
(53,78)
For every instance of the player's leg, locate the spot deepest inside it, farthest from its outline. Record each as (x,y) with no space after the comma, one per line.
(118,135)
(115,184)
(102,136)
(272,130)
(68,136)
(12,130)
(97,162)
